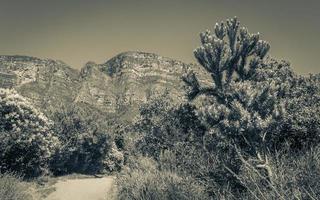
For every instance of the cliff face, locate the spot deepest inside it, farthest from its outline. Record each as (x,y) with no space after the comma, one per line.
(47,83)
(116,87)
(129,79)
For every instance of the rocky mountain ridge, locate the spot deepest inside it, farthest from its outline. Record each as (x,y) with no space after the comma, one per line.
(117,86)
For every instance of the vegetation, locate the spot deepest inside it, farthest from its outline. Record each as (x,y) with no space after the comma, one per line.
(27,139)
(143,180)
(251,135)
(85,146)
(12,188)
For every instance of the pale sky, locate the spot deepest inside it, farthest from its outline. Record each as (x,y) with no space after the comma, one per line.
(78,31)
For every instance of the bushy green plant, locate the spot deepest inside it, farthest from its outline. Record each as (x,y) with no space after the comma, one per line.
(27,139)
(248,106)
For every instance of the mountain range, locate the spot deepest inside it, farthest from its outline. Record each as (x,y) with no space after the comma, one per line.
(115,88)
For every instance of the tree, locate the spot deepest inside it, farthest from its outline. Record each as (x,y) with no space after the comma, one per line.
(241,112)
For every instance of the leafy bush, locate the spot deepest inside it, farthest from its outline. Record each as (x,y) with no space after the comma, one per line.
(85,145)
(301,124)
(162,125)
(301,96)
(114,160)
(27,140)
(143,180)
(12,188)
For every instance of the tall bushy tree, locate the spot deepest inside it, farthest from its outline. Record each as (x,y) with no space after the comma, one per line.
(27,140)
(241,112)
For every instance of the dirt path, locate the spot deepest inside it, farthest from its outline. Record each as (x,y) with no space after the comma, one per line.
(83,189)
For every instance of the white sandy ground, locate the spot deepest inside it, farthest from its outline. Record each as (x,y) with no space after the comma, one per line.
(83,189)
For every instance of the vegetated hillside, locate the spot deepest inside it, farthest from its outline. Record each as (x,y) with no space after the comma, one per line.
(47,83)
(116,87)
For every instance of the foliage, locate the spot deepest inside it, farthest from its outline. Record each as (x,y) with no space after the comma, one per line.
(12,188)
(162,126)
(114,160)
(234,143)
(301,125)
(296,176)
(85,145)
(143,180)
(301,96)
(241,112)
(27,141)
(224,53)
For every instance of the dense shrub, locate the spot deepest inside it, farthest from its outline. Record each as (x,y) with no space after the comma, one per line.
(301,96)
(301,125)
(143,180)
(85,144)
(205,167)
(12,188)
(162,125)
(27,141)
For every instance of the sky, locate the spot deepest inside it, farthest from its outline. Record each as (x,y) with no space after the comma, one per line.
(78,31)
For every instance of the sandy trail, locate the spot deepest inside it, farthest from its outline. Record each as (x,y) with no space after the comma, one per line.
(82,189)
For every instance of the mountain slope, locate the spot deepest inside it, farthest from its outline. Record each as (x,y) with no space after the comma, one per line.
(115,88)
(46,82)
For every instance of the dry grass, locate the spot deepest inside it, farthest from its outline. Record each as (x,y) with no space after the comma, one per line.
(296,176)
(12,188)
(145,181)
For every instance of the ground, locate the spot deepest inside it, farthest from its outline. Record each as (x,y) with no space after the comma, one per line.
(83,189)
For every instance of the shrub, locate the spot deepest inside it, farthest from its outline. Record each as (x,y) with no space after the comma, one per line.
(143,180)
(162,125)
(12,188)
(301,97)
(85,145)
(179,130)
(27,140)
(114,160)
(301,124)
